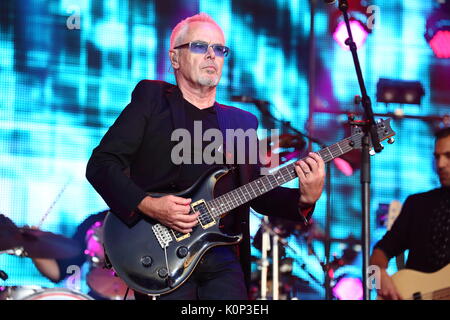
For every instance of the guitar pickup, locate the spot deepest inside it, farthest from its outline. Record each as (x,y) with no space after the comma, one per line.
(205,218)
(180,236)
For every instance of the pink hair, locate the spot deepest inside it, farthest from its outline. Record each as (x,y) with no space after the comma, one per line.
(181,27)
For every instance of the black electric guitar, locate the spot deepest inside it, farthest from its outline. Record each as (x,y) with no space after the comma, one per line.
(154,259)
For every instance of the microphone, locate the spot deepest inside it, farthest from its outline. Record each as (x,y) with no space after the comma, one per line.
(248,99)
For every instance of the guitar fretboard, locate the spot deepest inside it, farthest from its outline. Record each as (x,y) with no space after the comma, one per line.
(250,191)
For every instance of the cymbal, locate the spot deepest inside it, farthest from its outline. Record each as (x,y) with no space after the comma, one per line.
(9,233)
(41,244)
(34,242)
(38,244)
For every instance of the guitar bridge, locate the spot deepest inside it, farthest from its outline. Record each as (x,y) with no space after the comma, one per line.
(162,234)
(205,218)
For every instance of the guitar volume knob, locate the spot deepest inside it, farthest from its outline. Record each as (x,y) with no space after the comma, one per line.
(162,272)
(146,261)
(182,252)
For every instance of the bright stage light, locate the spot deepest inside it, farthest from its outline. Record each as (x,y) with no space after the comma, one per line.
(440,43)
(358,31)
(348,289)
(360,24)
(438,31)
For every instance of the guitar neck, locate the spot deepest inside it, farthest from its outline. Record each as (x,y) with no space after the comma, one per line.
(264,184)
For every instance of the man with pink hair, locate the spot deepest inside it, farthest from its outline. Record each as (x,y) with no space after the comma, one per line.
(139,143)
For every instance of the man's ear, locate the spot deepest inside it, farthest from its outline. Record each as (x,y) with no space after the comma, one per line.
(174,59)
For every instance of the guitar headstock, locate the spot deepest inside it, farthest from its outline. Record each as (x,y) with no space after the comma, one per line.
(384,132)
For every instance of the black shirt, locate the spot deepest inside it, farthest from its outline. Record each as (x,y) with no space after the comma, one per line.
(423,227)
(200,118)
(191,172)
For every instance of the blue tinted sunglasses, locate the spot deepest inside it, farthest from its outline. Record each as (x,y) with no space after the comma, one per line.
(202,47)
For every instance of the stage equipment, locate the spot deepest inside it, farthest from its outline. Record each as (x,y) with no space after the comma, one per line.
(399,91)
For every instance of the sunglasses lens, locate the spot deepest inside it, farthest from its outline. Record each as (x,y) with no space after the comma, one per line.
(202,48)
(199,47)
(220,51)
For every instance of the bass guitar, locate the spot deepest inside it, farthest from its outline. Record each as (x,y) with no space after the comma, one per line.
(415,285)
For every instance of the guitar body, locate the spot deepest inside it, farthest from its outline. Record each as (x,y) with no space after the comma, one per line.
(139,259)
(417,285)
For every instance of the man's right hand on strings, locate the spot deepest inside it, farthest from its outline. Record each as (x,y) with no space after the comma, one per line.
(171,211)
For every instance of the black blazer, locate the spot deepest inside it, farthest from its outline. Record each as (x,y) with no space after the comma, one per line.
(133,158)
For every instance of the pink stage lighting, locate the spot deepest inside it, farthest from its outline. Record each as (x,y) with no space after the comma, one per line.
(440,43)
(348,289)
(343,166)
(437,30)
(358,31)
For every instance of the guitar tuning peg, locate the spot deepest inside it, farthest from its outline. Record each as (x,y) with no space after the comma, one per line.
(391,140)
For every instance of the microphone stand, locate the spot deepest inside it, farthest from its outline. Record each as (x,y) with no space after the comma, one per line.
(369,127)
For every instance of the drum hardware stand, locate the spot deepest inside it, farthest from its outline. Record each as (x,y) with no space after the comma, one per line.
(275,269)
(265,247)
(325,267)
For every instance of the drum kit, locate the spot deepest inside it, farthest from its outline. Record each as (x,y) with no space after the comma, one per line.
(103,281)
(273,274)
(37,244)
